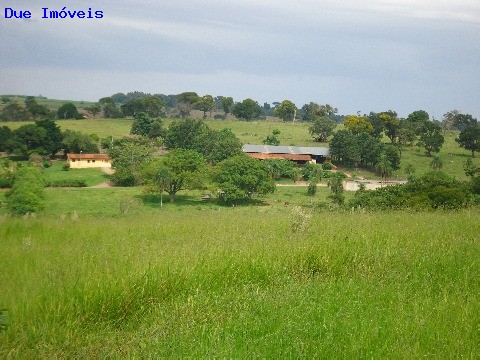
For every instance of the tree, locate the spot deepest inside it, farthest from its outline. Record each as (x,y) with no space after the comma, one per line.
(248,110)
(471,170)
(377,123)
(133,107)
(109,108)
(186,169)
(431,137)
(182,134)
(240,177)
(335,182)
(157,130)
(6,134)
(462,121)
(312,111)
(186,102)
(142,125)
(416,120)
(358,124)
(28,193)
(214,145)
(227,104)
(393,156)
(94,109)
(391,125)
(129,158)
(35,109)
(322,128)
(436,163)
(217,145)
(469,138)
(205,104)
(344,147)
(77,142)
(156,178)
(67,111)
(271,139)
(27,139)
(154,106)
(405,136)
(286,110)
(14,112)
(384,167)
(448,121)
(53,136)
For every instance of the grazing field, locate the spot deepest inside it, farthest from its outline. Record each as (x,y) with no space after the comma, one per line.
(90,176)
(242,282)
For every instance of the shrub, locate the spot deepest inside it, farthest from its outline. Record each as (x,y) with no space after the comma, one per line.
(28,193)
(327,166)
(67,183)
(66,167)
(312,188)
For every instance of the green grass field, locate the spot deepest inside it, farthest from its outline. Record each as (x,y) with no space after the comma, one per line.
(107,272)
(90,176)
(239,282)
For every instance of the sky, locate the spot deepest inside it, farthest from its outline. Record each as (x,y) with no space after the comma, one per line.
(357,55)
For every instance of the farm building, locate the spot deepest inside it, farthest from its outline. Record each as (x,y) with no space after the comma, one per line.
(299,154)
(86,161)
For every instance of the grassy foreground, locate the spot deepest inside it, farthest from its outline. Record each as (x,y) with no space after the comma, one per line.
(242,283)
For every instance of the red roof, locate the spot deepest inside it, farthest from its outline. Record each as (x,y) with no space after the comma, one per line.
(88,157)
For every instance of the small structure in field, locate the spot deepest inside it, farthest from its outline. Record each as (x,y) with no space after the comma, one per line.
(299,154)
(87,161)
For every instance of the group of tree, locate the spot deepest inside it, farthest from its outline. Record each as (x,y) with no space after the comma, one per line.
(44,137)
(195,152)
(360,143)
(432,190)
(31,110)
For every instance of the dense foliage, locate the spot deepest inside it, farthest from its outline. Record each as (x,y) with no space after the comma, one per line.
(240,177)
(27,194)
(433,190)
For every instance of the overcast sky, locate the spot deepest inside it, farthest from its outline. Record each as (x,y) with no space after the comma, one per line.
(358,55)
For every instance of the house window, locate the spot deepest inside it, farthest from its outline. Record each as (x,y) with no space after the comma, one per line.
(88,161)
(93,160)
(73,160)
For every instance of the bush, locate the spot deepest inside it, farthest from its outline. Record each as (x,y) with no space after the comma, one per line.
(219,117)
(28,193)
(327,166)
(433,190)
(67,183)
(312,172)
(66,167)
(312,188)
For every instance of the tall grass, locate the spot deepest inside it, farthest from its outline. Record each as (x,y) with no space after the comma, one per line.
(241,283)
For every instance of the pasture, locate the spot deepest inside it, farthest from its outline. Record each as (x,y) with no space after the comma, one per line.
(242,282)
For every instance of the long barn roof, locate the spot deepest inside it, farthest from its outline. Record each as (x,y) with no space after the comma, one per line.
(294,150)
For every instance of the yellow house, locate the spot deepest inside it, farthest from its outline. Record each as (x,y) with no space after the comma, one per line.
(87,161)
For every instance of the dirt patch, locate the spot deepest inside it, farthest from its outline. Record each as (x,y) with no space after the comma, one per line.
(108,171)
(102,185)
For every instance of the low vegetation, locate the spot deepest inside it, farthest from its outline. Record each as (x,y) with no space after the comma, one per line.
(243,282)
